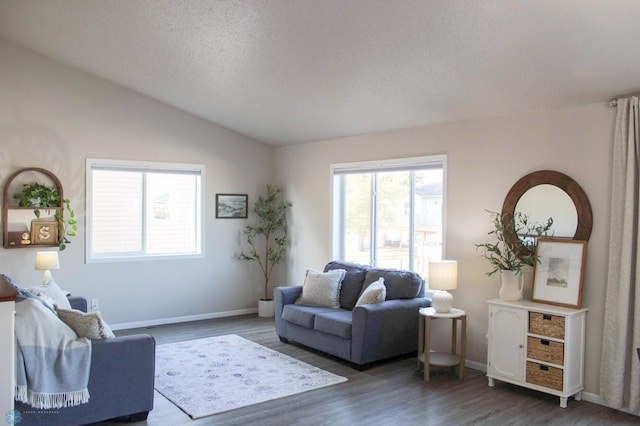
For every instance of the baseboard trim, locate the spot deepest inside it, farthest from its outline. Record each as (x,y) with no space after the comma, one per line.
(586,396)
(188,318)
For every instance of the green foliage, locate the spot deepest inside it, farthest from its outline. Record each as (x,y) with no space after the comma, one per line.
(507,255)
(267,238)
(43,198)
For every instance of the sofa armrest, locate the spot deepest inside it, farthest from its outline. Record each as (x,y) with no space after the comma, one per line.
(78,302)
(284,296)
(122,373)
(382,330)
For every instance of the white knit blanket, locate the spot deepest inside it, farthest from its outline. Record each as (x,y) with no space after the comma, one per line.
(52,362)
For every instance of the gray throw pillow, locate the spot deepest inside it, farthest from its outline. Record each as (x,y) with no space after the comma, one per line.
(321,288)
(86,324)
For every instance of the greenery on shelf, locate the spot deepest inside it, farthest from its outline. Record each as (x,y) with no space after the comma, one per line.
(42,197)
(513,254)
(267,238)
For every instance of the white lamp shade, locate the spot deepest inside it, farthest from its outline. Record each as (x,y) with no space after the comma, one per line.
(443,274)
(46,260)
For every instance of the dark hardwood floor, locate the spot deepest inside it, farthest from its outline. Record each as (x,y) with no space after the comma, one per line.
(388,393)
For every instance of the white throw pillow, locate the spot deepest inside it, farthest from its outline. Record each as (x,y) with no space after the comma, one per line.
(322,288)
(85,324)
(52,290)
(375,293)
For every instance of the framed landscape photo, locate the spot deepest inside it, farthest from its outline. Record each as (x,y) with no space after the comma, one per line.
(232,206)
(557,278)
(44,232)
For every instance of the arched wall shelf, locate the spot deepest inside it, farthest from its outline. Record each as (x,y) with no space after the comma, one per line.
(14,239)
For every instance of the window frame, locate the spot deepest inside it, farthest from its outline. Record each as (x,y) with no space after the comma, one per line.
(397,164)
(144,167)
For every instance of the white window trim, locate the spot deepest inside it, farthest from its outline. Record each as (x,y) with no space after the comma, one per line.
(149,166)
(381,166)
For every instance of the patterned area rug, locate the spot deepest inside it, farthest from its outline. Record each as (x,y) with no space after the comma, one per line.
(208,376)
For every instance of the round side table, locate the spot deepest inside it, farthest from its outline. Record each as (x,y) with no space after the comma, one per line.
(426,357)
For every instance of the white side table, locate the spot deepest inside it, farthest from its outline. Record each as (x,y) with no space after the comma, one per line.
(426,357)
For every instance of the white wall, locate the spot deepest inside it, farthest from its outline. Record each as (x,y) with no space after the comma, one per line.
(54,116)
(484,159)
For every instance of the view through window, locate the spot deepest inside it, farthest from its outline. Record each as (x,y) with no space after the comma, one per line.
(143,210)
(390,214)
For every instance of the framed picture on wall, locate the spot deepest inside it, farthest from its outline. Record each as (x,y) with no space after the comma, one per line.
(559,274)
(44,232)
(232,206)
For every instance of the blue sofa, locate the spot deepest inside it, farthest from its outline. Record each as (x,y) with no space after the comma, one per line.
(120,383)
(359,334)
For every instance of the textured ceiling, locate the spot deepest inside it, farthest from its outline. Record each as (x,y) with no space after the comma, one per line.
(293,71)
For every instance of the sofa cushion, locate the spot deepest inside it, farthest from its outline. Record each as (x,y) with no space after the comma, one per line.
(374,293)
(400,284)
(321,288)
(302,315)
(352,282)
(337,323)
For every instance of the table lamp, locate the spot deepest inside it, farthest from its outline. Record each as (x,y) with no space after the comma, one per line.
(443,276)
(46,260)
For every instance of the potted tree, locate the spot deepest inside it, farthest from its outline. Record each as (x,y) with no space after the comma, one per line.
(510,256)
(42,197)
(267,240)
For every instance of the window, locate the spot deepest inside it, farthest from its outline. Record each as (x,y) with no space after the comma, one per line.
(142,210)
(389,213)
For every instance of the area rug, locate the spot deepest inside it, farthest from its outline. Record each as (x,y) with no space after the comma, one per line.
(209,376)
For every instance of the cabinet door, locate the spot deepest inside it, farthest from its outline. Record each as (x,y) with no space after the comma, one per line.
(506,343)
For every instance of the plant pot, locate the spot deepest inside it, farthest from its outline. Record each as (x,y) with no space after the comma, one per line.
(265,308)
(510,286)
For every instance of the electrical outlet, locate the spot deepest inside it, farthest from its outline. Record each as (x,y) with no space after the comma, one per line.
(94,304)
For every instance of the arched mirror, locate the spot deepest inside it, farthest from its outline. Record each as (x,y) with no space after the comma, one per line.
(547,193)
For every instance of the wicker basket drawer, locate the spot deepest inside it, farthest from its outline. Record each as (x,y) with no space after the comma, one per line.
(545,350)
(546,325)
(543,375)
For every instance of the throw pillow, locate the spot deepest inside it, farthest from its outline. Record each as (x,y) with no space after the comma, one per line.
(375,293)
(322,288)
(52,290)
(85,324)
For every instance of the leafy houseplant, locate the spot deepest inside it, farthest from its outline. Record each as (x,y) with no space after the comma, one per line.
(40,197)
(267,238)
(507,254)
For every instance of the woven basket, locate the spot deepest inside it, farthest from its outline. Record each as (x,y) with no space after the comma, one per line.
(545,350)
(543,375)
(546,325)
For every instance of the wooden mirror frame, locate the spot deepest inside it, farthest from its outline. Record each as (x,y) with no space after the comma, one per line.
(557,179)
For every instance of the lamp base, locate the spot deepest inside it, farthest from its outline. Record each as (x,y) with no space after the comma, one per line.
(442,301)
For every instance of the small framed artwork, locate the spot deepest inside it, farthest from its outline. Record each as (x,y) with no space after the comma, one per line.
(44,232)
(557,278)
(232,206)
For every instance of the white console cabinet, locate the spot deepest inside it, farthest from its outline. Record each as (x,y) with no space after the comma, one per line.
(537,346)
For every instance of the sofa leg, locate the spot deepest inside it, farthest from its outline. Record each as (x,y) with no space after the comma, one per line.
(283,339)
(138,417)
(361,367)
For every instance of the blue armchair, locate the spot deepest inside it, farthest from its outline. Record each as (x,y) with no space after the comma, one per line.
(120,383)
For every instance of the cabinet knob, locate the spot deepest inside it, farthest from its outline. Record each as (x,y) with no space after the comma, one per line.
(520,346)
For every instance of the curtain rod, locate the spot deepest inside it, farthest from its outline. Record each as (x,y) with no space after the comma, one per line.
(613,102)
